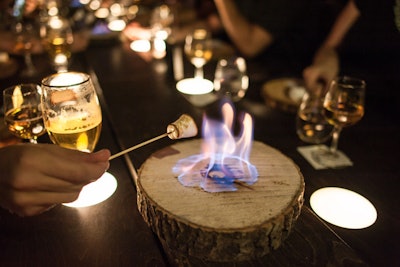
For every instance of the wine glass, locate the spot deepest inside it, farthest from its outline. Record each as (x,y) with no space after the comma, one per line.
(73,119)
(343,107)
(22,111)
(198,49)
(27,33)
(58,38)
(230,78)
(311,124)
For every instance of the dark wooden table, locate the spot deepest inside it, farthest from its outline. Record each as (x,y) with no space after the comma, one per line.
(139,99)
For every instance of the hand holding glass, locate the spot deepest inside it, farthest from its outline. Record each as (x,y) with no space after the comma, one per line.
(22,111)
(73,119)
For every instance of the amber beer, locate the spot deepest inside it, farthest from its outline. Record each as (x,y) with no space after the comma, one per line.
(58,45)
(74,132)
(343,115)
(25,122)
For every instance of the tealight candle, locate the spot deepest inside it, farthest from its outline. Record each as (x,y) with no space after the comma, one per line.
(197,91)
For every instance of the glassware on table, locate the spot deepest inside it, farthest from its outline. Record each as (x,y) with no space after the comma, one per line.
(198,49)
(22,111)
(26,32)
(58,38)
(73,119)
(311,124)
(343,107)
(230,78)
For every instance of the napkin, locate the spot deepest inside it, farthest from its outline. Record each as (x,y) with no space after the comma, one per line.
(310,153)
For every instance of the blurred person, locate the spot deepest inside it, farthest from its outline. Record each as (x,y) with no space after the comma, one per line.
(288,28)
(375,44)
(36,177)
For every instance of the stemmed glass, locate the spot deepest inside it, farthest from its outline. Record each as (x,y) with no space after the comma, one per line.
(27,33)
(58,39)
(230,78)
(22,109)
(343,107)
(72,116)
(198,49)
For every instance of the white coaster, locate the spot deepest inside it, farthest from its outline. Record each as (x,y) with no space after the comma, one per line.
(343,208)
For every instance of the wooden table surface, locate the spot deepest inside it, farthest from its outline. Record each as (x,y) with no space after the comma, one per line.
(139,99)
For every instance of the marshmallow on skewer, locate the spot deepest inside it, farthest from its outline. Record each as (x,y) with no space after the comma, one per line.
(183,127)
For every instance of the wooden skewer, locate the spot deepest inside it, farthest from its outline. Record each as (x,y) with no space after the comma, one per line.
(138,145)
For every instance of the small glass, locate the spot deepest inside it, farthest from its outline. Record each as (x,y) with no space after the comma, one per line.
(22,111)
(230,78)
(311,124)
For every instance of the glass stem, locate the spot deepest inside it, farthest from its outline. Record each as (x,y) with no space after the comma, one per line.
(28,61)
(335,139)
(33,141)
(198,73)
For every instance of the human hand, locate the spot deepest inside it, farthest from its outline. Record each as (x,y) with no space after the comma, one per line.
(36,177)
(324,68)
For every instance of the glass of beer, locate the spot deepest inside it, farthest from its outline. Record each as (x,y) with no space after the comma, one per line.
(71,110)
(73,119)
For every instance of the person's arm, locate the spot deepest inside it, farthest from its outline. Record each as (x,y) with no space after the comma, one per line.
(35,177)
(250,39)
(325,65)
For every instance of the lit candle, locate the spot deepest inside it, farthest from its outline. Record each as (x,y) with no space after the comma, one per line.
(195,86)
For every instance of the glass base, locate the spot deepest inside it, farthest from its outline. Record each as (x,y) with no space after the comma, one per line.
(320,157)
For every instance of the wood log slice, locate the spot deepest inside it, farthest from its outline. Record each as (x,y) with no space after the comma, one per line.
(226,226)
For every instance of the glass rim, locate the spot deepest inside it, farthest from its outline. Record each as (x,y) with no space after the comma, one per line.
(347,80)
(46,81)
(10,91)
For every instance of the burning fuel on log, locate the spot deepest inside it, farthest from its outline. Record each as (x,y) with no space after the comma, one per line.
(224,161)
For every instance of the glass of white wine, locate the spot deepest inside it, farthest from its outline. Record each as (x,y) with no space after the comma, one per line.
(22,111)
(198,49)
(58,38)
(73,118)
(343,107)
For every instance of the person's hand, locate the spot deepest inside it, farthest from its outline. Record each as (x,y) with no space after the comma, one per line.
(36,177)
(324,68)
